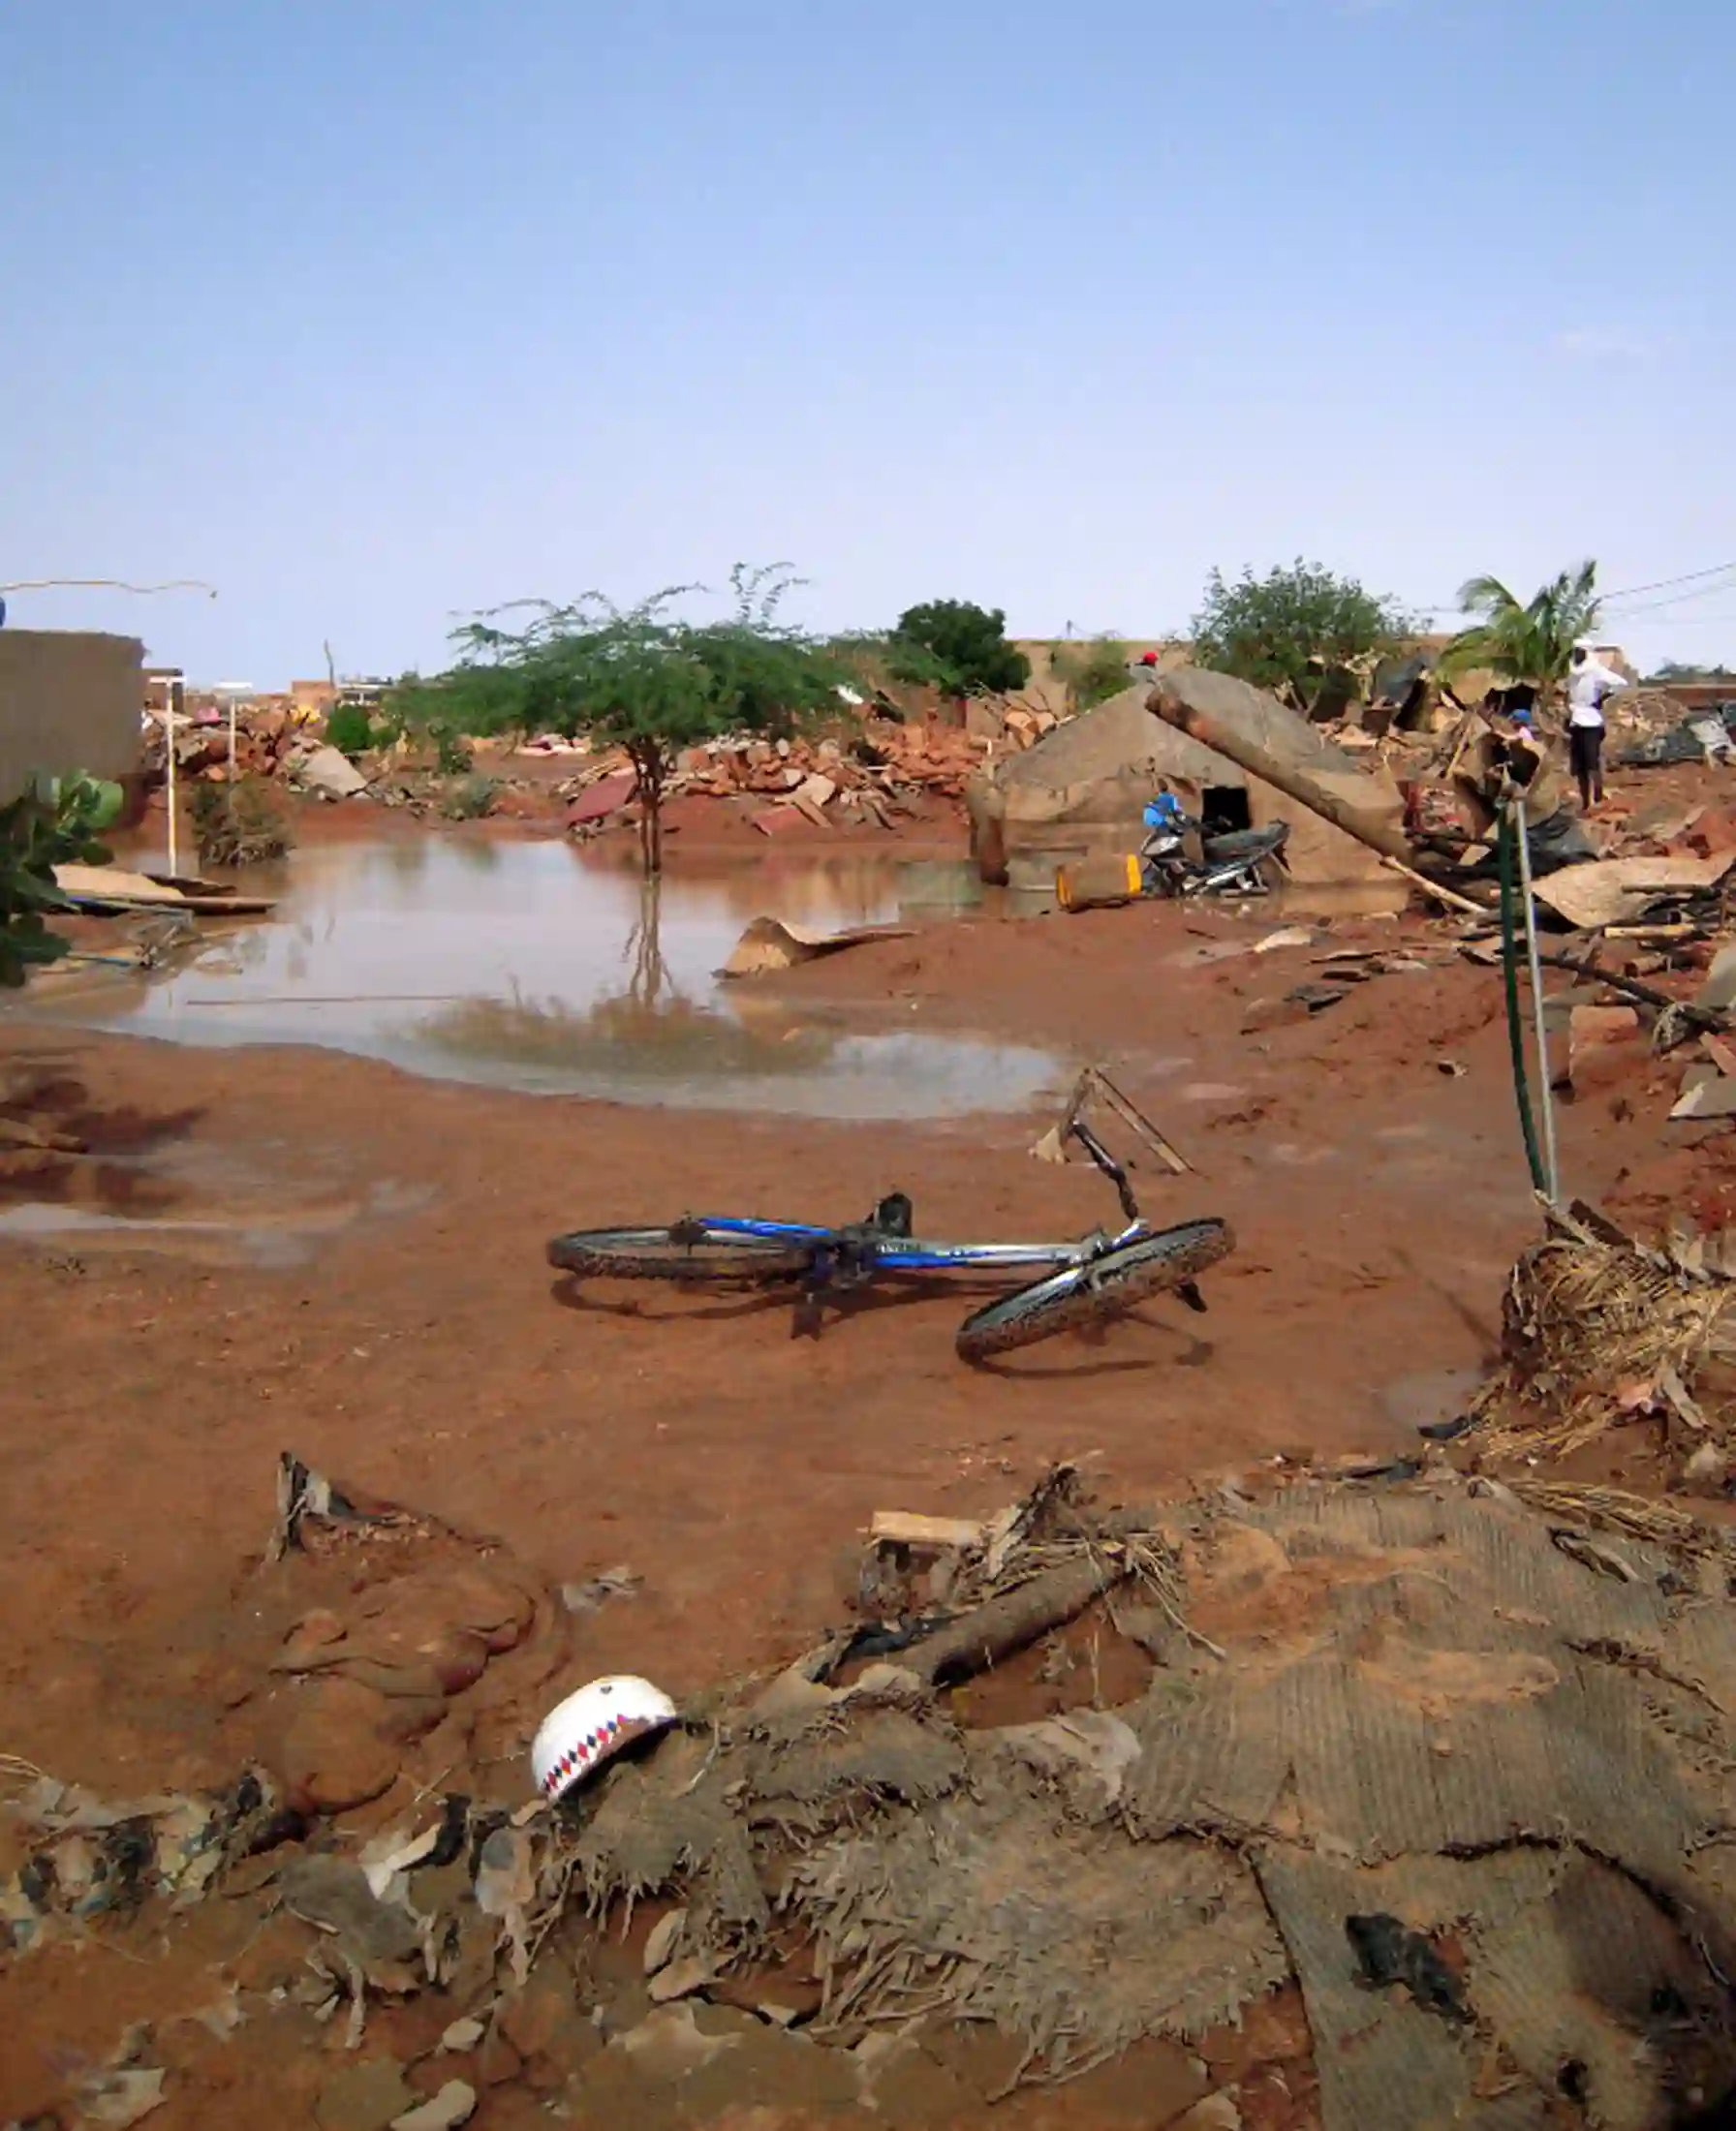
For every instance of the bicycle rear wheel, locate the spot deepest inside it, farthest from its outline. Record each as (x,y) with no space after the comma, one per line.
(672,1255)
(1085,1294)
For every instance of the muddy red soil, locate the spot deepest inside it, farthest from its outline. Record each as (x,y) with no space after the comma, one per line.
(403,1330)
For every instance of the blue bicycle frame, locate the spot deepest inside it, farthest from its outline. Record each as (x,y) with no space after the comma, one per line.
(863,1249)
(904,1254)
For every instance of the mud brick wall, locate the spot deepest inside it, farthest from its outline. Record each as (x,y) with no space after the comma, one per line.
(70,699)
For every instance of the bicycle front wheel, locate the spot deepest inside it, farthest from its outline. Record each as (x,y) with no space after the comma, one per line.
(677,1254)
(1086,1294)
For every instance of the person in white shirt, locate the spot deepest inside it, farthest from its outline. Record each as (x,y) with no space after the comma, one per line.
(1589,682)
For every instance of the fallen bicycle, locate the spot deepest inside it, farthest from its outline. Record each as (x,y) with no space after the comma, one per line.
(1082,1283)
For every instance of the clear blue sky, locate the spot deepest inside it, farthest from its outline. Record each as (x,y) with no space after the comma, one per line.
(371,310)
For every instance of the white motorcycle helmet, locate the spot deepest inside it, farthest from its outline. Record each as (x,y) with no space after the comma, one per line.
(588,1728)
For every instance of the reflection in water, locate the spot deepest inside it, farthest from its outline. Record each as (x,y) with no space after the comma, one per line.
(533,966)
(632,1037)
(650,978)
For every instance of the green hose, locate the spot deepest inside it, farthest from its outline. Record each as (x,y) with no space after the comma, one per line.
(1509,965)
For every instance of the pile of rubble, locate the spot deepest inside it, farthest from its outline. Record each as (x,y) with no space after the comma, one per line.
(880,774)
(271,742)
(269,739)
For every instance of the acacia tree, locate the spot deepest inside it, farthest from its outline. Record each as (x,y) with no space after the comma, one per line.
(1528,642)
(640,678)
(1279,630)
(957,647)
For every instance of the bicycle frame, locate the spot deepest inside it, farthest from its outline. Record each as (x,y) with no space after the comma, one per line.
(860,1251)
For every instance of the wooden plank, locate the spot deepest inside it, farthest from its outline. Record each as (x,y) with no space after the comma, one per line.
(1614,891)
(908,1528)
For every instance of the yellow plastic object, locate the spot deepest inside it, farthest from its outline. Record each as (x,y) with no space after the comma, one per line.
(1099,884)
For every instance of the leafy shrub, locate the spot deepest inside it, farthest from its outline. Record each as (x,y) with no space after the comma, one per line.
(238,824)
(350,730)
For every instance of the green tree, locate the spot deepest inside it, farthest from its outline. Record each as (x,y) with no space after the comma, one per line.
(54,824)
(640,678)
(957,648)
(1280,631)
(1091,671)
(1527,642)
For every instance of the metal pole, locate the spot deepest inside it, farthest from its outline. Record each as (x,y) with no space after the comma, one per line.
(170,719)
(174,855)
(174,852)
(1545,1096)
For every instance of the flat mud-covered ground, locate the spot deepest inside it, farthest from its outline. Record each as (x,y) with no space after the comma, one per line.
(270,1249)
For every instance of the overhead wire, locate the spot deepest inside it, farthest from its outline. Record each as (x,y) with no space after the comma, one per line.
(1663,584)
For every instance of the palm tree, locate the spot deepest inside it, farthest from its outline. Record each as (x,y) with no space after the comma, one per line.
(1530,643)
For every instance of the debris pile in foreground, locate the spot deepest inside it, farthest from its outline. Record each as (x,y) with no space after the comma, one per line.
(1453,1767)
(1601,1331)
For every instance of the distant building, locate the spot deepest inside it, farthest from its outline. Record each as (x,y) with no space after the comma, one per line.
(1694,695)
(313,698)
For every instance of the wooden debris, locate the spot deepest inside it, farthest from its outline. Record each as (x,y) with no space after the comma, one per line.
(1008,1622)
(909,1528)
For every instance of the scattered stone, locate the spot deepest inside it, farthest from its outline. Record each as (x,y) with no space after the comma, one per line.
(680,1979)
(453,2105)
(1591,1031)
(1272,1013)
(1719,992)
(118,2099)
(666,1937)
(506,1876)
(461,2035)
(1316,998)
(885,1683)
(667,2043)
(596,1591)
(330,774)
(364,2097)
(1707,1471)
(794,1694)
(1216,2113)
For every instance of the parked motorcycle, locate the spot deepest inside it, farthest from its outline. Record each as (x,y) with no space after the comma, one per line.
(1239,862)
(1177,859)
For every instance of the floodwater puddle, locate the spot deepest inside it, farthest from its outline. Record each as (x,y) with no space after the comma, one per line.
(539,966)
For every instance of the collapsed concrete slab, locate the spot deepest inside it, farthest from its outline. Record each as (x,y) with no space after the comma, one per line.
(1082,788)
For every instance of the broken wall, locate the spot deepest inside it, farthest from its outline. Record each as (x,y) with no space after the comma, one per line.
(1082,791)
(70,699)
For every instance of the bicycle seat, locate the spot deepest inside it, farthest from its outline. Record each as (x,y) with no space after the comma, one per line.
(893,1216)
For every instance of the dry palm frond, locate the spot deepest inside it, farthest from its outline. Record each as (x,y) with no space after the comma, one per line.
(1638,1516)
(15,1770)
(1588,1313)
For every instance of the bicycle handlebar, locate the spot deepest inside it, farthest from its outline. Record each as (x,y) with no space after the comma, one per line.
(1110,1167)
